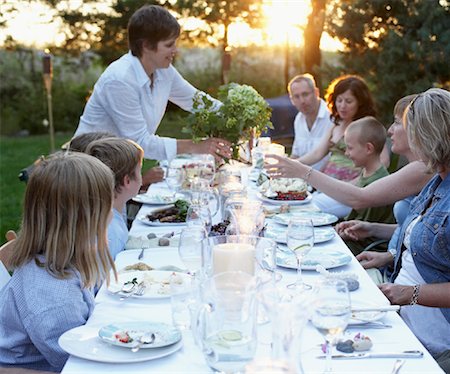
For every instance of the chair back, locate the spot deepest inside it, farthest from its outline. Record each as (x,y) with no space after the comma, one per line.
(7,249)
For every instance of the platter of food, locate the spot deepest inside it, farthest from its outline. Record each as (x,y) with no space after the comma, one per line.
(156,282)
(292,191)
(128,334)
(84,342)
(172,215)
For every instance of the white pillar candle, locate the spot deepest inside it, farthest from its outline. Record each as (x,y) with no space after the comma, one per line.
(233,257)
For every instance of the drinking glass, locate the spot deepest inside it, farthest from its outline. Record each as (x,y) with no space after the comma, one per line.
(300,240)
(331,313)
(208,169)
(199,215)
(190,247)
(174,179)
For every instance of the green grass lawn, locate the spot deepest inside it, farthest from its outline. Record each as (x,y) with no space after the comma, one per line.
(17,153)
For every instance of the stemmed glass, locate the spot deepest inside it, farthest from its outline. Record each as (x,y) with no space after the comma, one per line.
(331,313)
(300,240)
(174,179)
(208,169)
(199,215)
(190,247)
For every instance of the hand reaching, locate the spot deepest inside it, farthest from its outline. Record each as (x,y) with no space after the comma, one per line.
(370,259)
(283,167)
(354,230)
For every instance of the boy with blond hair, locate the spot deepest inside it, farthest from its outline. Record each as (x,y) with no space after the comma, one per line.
(365,139)
(124,158)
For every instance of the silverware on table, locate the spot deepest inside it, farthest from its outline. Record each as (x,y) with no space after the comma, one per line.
(386,308)
(397,366)
(144,246)
(138,291)
(369,325)
(147,338)
(358,355)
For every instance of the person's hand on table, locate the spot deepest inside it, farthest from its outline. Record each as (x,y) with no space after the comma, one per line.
(371,259)
(152,175)
(354,230)
(396,293)
(280,166)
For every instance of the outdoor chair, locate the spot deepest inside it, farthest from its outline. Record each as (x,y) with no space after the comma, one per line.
(7,249)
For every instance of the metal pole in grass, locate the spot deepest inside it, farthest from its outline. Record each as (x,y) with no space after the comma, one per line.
(48,75)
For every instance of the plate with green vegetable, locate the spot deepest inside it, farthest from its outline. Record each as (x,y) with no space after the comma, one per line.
(172,215)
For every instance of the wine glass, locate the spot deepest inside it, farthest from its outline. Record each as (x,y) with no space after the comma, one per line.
(199,215)
(331,313)
(300,240)
(190,247)
(174,179)
(208,169)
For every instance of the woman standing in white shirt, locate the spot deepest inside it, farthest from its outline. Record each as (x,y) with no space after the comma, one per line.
(131,96)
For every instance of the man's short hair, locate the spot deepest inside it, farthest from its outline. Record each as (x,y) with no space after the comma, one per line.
(308,78)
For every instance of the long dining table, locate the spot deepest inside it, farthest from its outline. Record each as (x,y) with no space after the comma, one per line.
(187,356)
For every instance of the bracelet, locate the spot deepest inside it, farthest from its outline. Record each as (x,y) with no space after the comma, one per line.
(308,174)
(415,295)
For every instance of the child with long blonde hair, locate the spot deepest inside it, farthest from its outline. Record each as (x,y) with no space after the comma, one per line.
(61,252)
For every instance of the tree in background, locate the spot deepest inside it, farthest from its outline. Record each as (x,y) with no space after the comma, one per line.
(218,15)
(399,46)
(312,35)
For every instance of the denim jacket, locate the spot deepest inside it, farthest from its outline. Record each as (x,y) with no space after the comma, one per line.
(430,237)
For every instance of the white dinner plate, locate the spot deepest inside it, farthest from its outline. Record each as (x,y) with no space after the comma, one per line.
(157,282)
(286,202)
(317,218)
(83,342)
(329,259)
(146,221)
(157,199)
(321,234)
(164,334)
(365,317)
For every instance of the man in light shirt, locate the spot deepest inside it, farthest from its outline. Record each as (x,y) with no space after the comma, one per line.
(313,120)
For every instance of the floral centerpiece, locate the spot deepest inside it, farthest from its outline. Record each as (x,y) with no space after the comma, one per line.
(243,115)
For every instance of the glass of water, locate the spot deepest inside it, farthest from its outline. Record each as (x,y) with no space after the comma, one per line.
(300,240)
(331,313)
(190,247)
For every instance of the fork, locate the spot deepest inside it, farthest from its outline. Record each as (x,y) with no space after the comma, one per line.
(139,291)
(144,245)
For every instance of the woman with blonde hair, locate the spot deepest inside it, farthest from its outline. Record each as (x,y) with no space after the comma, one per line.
(61,253)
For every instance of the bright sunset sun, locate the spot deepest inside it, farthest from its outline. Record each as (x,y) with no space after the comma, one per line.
(285,21)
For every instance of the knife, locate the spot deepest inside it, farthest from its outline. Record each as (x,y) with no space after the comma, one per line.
(387,308)
(403,354)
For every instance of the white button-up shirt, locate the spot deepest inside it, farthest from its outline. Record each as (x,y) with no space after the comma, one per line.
(124,104)
(305,139)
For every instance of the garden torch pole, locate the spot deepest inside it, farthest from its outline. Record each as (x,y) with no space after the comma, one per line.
(48,75)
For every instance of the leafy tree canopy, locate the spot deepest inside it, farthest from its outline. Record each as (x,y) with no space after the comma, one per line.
(399,46)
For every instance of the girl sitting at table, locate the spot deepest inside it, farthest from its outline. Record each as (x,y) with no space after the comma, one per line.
(124,158)
(61,253)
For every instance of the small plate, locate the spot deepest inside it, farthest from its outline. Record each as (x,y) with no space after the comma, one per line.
(317,218)
(364,317)
(156,199)
(83,342)
(157,282)
(321,234)
(287,202)
(329,259)
(146,221)
(164,334)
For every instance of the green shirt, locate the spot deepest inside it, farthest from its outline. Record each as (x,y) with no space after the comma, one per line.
(381,214)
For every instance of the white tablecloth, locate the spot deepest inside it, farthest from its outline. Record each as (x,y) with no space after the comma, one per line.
(189,358)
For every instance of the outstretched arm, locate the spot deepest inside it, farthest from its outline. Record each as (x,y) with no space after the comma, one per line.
(407,181)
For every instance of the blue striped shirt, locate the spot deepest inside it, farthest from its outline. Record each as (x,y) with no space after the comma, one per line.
(35,310)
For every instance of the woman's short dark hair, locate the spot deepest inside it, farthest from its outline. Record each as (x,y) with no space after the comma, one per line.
(151,24)
(358,87)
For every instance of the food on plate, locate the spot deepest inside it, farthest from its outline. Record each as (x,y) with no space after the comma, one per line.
(123,337)
(140,266)
(173,214)
(285,189)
